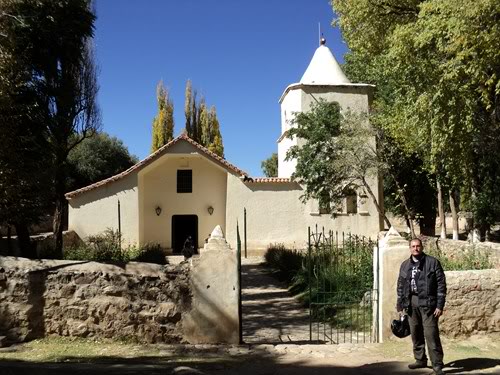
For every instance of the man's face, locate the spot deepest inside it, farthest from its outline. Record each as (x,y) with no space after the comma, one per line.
(416,248)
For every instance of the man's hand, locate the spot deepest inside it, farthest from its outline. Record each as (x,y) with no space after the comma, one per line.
(438,313)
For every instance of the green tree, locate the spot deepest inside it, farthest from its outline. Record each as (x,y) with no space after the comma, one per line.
(24,165)
(202,125)
(188,103)
(215,140)
(163,123)
(437,68)
(270,166)
(407,186)
(52,41)
(97,158)
(337,155)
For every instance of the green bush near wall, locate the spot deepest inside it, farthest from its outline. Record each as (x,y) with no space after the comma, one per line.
(465,261)
(105,247)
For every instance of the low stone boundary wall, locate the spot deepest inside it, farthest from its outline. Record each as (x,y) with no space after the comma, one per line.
(191,302)
(473,303)
(452,248)
(139,301)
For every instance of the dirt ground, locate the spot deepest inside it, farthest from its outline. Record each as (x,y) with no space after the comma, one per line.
(477,355)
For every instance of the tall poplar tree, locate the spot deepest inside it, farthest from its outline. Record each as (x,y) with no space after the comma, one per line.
(215,142)
(188,107)
(202,124)
(163,123)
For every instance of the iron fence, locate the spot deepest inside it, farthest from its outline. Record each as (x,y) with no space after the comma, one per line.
(342,292)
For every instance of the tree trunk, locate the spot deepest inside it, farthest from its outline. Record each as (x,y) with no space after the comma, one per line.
(60,203)
(9,240)
(409,223)
(408,214)
(23,238)
(428,222)
(454,214)
(379,209)
(441,210)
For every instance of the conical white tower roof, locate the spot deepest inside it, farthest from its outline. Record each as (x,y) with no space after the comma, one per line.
(324,69)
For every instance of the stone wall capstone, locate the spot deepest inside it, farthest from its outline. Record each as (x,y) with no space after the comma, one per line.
(138,301)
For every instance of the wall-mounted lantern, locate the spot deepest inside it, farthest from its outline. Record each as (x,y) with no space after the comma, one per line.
(210,210)
(158,210)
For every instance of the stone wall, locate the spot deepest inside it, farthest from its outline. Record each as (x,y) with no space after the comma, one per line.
(42,243)
(472,303)
(453,247)
(139,301)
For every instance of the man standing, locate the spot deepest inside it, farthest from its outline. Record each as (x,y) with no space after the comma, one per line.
(422,294)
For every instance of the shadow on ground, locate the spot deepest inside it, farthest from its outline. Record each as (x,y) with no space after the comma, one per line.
(253,365)
(157,365)
(468,365)
(223,360)
(270,313)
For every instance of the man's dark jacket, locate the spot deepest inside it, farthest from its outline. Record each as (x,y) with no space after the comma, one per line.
(431,284)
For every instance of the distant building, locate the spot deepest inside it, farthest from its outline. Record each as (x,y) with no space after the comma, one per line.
(184,190)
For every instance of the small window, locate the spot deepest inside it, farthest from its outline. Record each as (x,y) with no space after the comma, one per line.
(324,204)
(325,209)
(351,201)
(185,181)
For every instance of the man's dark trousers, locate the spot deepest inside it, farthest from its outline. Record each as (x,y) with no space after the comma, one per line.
(424,327)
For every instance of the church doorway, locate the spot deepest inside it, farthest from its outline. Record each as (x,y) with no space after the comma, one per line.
(182,227)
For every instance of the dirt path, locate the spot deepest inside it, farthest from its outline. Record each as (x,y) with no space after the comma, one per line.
(270,314)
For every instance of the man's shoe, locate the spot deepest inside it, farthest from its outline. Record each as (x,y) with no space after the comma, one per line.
(438,371)
(416,365)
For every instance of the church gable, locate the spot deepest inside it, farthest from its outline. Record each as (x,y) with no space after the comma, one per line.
(180,145)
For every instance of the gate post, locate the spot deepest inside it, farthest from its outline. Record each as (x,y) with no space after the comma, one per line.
(214,282)
(238,257)
(309,266)
(393,250)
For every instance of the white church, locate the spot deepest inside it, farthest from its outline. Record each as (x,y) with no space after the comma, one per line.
(183,189)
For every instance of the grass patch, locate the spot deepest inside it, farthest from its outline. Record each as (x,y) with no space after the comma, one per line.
(58,349)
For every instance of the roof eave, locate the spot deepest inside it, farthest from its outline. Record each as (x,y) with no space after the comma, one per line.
(296,86)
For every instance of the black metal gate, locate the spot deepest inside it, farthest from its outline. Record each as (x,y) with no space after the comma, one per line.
(342,293)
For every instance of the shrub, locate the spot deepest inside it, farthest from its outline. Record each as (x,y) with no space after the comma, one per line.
(467,260)
(149,253)
(105,247)
(285,262)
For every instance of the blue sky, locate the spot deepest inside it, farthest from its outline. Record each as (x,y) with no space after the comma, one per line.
(240,54)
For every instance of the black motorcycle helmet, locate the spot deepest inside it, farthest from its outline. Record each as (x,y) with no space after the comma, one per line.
(401,327)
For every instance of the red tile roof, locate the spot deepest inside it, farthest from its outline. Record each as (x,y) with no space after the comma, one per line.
(270,179)
(154,156)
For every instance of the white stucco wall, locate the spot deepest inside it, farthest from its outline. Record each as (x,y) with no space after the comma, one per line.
(300,99)
(158,187)
(96,210)
(291,103)
(276,215)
